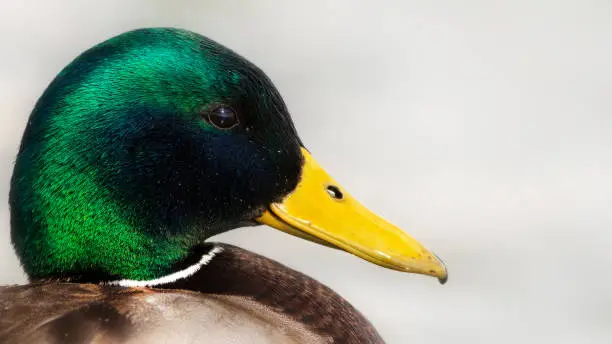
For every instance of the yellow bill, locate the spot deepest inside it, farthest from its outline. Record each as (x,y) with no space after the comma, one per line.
(321,211)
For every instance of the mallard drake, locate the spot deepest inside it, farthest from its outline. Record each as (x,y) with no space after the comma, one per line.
(138,151)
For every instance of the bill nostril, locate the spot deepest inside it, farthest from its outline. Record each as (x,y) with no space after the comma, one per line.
(334,192)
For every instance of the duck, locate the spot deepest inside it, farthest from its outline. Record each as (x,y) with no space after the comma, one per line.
(140,150)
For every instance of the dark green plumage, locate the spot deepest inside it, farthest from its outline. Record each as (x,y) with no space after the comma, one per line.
(119,172)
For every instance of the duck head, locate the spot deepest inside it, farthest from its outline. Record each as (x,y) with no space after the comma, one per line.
(151,142)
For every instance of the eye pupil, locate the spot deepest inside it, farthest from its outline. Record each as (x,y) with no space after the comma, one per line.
(223,117)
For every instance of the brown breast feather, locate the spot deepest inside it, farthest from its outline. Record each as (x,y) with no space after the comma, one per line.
(239,297)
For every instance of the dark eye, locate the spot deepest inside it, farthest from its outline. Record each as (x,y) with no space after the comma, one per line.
(223,117)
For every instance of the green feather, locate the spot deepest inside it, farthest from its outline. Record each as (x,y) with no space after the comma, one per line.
(119,173)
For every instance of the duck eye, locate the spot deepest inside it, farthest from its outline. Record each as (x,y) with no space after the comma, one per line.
(223,117)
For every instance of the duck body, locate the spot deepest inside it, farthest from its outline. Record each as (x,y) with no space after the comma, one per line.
(140,150)
(237,297)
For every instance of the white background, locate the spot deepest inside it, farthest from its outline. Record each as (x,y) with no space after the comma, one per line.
(483,128)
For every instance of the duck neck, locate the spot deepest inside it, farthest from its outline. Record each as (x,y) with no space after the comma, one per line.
(66,225)
(188,268)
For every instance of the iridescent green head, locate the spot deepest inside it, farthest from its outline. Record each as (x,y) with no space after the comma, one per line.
(140,148)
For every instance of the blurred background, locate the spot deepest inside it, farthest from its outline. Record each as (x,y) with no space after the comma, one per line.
(483,128)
